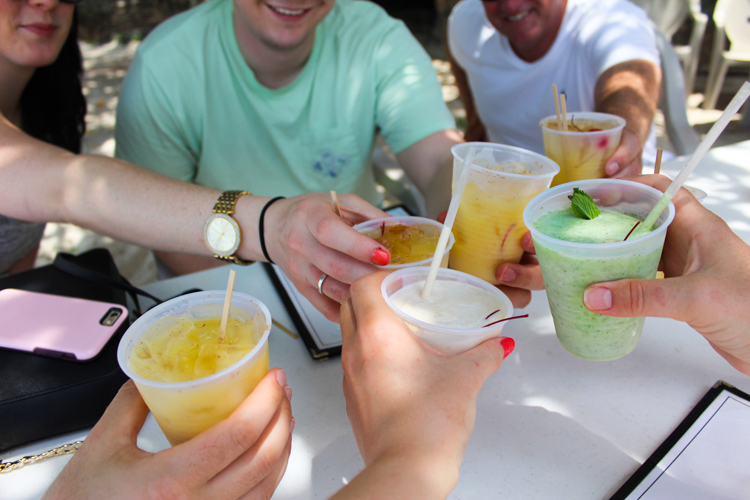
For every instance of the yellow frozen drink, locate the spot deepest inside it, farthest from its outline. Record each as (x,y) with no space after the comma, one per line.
(582,150)
(188,377)
(489,222)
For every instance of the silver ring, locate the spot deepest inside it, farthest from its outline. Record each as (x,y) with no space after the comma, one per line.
(320,283)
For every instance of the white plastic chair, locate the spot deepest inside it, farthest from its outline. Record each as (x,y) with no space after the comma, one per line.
(681,134)
(732,19)
(669,16)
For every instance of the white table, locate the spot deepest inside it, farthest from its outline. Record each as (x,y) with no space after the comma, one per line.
(549,425)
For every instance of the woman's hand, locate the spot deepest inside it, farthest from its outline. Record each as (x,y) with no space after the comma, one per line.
(707,285)
(412,409)
(517,280)
(243,456)
(306,238)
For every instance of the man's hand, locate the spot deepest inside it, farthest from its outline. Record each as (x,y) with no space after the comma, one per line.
(412,409)
(626,160)
(630,90)
(244,456)
(707,285)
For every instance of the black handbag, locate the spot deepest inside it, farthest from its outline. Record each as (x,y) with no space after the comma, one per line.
(42,397)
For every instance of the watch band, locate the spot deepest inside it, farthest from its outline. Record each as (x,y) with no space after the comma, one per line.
(225,205)
(227,201)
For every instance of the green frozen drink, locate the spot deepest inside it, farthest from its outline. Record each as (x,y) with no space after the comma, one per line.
(577,249)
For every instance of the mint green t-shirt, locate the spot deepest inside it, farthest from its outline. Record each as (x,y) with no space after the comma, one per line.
(191,108)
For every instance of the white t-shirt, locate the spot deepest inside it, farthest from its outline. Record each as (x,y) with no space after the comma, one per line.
(511,95)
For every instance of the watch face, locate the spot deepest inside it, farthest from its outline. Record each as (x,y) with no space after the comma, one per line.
(222,235)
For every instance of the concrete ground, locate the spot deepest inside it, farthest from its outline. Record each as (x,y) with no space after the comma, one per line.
(105,67)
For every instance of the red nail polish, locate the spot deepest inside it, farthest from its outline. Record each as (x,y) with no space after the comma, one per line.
(508,344)
(380,257)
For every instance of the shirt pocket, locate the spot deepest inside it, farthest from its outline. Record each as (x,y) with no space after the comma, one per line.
(333,158)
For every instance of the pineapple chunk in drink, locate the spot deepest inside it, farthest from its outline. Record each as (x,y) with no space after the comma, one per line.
(181,349)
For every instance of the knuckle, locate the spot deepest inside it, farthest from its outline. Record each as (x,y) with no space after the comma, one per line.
(637,295)
(336,268)
(241,437)
(324,228)
(339,292)
(166,488)
(295,242)
(263,466)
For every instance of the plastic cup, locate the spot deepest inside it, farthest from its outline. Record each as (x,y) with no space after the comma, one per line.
(568,268)
(184,409)
(430,228)
(450,340)
(489,223)
(581,155)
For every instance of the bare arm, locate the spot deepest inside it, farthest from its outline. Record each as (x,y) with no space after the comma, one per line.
(43,183)
(475,131)
(429,164)
(412,409)
(630,90)
(304,235)
(707,285)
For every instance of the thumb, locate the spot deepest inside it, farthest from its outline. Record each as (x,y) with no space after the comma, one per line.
(662,298)
(489,355)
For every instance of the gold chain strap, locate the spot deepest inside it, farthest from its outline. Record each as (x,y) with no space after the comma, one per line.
(65,449)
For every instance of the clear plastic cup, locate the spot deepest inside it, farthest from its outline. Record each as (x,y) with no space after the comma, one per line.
(581,155)
(568,268)
(456,310)
(184,409)
(489,223)
(429,227)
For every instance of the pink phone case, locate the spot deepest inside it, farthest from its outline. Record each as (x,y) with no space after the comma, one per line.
(57,326)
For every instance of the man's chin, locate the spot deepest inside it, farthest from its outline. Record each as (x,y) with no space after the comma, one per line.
(284,43)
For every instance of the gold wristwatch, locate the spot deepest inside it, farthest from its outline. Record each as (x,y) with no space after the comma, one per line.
(222,233)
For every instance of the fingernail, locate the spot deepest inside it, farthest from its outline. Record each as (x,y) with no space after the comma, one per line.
(508,275)
(281,377)
(612,168)
(508,344)
(291,426)
(380,257)
(597,298)
(288,391)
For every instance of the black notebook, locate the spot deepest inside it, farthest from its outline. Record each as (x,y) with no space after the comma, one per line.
(706,457)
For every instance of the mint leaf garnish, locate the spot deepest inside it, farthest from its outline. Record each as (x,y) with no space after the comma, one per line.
(583,206)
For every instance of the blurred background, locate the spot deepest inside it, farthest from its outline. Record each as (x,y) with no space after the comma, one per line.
(111,30)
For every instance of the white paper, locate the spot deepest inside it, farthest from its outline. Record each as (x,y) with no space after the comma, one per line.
(710,461)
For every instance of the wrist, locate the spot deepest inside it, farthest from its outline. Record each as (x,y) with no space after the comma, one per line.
(399,477)
(263,227)
(246,214)
(433,475)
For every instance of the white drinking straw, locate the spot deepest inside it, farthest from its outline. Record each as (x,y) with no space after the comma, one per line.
(448,224)
(697,156)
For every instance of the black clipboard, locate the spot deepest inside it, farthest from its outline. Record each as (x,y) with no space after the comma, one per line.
(321,336)
(654,479)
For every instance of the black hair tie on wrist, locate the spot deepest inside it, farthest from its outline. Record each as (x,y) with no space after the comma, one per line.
(261,227)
